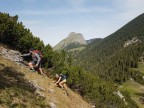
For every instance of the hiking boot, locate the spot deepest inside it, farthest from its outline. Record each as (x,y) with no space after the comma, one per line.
(32,70)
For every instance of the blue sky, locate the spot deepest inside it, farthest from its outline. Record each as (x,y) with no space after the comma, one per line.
(53,20)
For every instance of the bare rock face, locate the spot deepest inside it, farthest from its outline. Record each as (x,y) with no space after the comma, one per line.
(10,54)
(73,38)
(76,37)
(52,105)
(134,40)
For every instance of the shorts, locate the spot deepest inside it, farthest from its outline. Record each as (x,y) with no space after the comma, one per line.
(64,80)
(34,63)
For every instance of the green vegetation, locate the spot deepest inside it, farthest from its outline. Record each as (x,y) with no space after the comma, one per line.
(140,68)
(15,35)
(132,90)
(109,58)
(101,64)
(74,46)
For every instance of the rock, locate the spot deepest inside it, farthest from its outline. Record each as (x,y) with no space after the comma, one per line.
(129,42)
(131,79)
(36,86)
(50,91)
(141,100)
(11,55)
(120,95)
(73,38)
(40,94)
(52,105)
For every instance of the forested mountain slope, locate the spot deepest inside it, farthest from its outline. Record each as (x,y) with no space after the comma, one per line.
(112,57)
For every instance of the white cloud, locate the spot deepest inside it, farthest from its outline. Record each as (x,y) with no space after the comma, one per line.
(78,10)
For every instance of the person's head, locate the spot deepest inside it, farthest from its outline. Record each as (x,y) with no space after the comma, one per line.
(57,75)
(31,50)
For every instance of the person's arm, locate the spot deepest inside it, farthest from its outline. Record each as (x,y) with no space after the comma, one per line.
(38,59)
(58,80)
(28,54)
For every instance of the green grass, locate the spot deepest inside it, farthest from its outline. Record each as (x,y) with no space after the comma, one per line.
(77,49)
(140,68)
(133,88)
(136,99)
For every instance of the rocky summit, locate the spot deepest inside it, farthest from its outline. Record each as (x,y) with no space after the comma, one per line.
(73,39)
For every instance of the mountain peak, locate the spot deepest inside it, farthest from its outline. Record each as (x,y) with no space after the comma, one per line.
(72,38)
(76,38)
(73,34)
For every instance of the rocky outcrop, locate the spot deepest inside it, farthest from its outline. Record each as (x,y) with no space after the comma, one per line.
(73,38)
(119,94)
(38,89)
(12,55)
(134,40)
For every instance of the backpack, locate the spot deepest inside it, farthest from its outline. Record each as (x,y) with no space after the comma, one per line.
(63,76)
(39,53)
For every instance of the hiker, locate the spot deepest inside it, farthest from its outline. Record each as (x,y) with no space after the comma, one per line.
(36,60)
(61,80)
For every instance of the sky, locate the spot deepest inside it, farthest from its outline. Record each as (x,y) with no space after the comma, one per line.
(53,20)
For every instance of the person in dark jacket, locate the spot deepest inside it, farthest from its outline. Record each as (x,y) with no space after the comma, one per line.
(36,60)
(61,80)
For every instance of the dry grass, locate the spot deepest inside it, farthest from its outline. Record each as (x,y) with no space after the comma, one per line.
(53,94)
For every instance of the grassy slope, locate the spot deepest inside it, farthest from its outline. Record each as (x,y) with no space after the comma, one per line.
(134,88)
(140,68)
(58,96)
(77,49)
